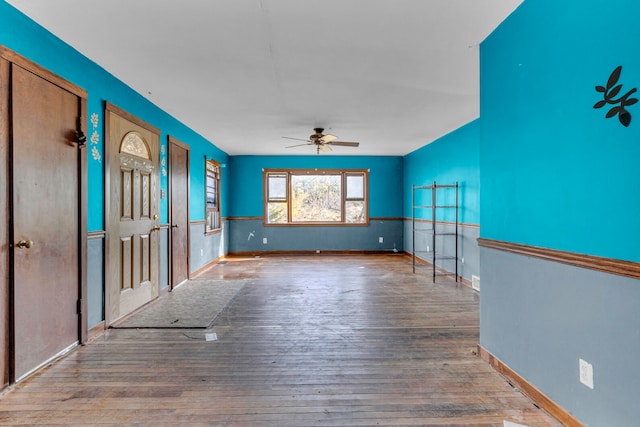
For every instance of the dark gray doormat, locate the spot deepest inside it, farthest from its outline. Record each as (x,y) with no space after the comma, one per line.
(195,304)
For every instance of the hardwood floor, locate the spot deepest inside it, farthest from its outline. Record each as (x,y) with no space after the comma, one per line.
(310,340)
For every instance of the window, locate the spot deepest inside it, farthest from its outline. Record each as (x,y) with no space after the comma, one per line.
(307,197)
(212,194)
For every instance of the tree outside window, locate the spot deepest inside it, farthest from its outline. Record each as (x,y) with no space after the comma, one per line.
(323,197)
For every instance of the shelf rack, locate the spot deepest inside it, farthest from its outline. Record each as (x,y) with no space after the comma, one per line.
(437,254)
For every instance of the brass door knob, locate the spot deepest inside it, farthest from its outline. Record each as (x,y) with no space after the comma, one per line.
(24,244)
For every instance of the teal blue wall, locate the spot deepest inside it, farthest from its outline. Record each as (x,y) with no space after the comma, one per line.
(454,157)
(556,174)
(22,35)
(385,180)
(246,233)
(554,170)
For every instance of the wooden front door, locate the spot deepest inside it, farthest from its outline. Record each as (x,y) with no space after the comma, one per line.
(179,211)
(45,220)
(133,156)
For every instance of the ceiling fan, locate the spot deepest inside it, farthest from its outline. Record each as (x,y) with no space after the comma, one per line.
(321,141)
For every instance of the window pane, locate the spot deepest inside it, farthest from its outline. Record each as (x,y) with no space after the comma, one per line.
(355,186)
(277,213)
(133,143)
(277,187)
(316,198)
(213,220)
(212,195)
(354,212)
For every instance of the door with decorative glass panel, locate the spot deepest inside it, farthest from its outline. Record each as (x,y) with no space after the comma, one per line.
(133,225)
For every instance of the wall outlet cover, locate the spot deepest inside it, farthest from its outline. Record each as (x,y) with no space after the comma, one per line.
(586,373)
(475,282)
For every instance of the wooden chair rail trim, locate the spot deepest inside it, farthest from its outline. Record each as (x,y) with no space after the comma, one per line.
(318,224)
(260,218)
(542,400)
(605,265)
(99,234)
(202,221)
(460,224)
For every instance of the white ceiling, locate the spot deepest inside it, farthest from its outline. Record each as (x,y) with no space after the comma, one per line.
(391,74)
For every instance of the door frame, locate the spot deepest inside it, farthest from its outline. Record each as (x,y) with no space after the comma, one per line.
(111,108)
(6,224)
(171,142)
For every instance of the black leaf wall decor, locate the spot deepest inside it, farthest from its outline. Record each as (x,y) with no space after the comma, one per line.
(610,92)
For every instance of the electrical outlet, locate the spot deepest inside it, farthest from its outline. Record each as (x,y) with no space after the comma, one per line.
(428,249)
(586,373)
(264,240)
(380,239)
(201,252)
(462,260)
(475,282)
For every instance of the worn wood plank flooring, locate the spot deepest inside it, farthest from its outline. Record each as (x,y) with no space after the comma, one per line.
(311,340)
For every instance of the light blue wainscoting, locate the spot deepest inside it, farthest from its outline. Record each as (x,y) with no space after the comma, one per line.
(468,253)
(540,317)
(95,279)
(164,256)
(206,248)
(248,235)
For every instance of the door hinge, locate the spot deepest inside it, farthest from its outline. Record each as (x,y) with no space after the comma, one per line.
(79,307)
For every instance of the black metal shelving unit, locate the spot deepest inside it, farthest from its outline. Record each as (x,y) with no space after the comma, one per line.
(437,254)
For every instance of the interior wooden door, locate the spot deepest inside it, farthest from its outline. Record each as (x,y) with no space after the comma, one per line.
(45,220)
(179,211)
(133,215)
(5,283)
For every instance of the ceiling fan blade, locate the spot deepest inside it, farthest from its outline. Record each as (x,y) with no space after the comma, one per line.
(344,144)
(324,147)
(328,138)
(299,145)
(296,139)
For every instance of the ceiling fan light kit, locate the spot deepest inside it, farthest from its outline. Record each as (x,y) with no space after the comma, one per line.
(322,141)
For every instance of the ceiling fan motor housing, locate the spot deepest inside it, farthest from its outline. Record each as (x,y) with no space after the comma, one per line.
(317,134)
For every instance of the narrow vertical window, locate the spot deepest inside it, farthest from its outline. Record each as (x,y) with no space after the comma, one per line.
(212,194)
(355,212)
(277,206)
